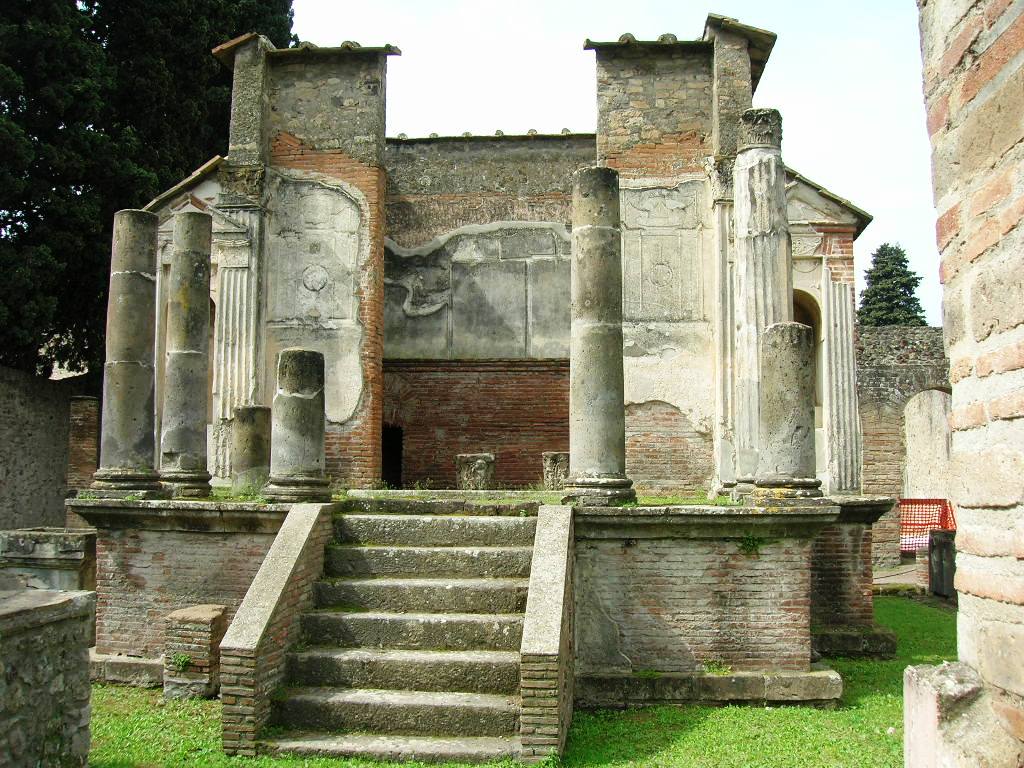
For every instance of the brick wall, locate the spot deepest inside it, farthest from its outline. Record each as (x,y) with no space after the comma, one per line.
(837,248)
(841,577)
(515,409)
(893,364)
(143,575)
(353,448)
(663,450)
(192,651)
(83,441)
(673,605)
(974,93)
(254,652)
(655,108)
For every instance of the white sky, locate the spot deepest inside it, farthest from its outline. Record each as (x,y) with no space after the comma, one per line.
(846,77)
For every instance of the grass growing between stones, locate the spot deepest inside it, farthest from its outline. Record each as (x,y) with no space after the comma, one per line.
(135,727)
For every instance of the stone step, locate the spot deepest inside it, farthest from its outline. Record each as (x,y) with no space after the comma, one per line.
(435,530)
(456,562)
(424,595)
(409,713)
(449,631)
(393,506)
(424,749)
(465,671)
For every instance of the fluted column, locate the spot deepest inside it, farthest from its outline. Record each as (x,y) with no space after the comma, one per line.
(597,415)
(186,391)
(763,292)
(786,434)
(127,443)
(297,429)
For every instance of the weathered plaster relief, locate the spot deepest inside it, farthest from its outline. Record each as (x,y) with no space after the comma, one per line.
(668,270)
(498,290)
(317,243)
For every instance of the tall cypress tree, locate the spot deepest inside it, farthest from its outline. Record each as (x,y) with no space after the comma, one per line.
(103,104)
(890,297)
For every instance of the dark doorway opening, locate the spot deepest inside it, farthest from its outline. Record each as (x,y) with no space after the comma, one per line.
(391,456)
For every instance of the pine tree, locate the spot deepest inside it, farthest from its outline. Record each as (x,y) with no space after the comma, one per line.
(103,104)
(890,296)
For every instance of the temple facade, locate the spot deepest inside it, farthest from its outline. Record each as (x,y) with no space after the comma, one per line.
(433,273)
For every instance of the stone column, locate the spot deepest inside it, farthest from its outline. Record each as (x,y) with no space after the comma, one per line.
(763,291)
(127,444)
(786,467)
(597,414)
(297,429)
(186,391)
(844,442)
(250,448)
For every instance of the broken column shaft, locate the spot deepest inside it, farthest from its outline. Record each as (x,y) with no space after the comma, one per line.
(186,395)
(763,290)
(297,429)
(786,462)
(597,416)
(250,448)
(126,439)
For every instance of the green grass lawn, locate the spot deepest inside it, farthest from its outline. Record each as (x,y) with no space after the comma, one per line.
(133,727)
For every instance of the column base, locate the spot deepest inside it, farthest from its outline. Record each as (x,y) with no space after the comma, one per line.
(119,483)
(768,489)
(297,489)
(599,491)
(186,485)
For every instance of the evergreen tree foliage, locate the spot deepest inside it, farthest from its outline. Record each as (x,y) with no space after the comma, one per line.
(103,104)
(890,297)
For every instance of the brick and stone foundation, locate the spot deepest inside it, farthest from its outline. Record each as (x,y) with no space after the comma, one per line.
(842,604)
(649,583)
(157,557)
(192,639)
(44,676)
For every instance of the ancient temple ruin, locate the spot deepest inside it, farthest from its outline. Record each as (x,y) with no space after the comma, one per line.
(664,298)
(433,272)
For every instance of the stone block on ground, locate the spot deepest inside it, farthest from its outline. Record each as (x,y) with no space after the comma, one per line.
(474,471)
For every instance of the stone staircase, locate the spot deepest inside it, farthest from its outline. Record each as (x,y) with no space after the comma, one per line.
(412,650)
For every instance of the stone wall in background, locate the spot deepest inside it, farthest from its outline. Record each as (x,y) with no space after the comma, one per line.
(34,424)
(44,669)
(973,53)
(894,364)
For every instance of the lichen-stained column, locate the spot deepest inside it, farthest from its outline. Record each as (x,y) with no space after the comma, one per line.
(126,439)
(763,292)
(250,448)
(186,394)
(785,465)
(297,429)
(597,415)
